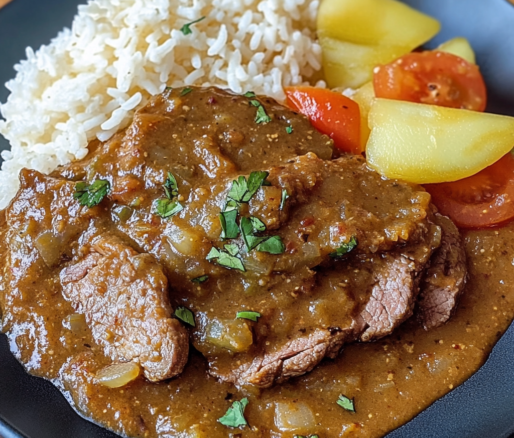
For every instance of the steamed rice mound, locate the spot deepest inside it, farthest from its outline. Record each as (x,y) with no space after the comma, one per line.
(89,80)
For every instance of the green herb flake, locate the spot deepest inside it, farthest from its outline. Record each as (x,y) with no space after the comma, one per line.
(255,103)
(186,29)
(273,245)
(258,225)
(235,414)
(232,249)
(168,89)
(255,181)
(305,436)
(171,186)
(214,253)
(285,196)
(93,194)
(238,189)
(346,403)
(227,257)
(201,279)
(229,228)
(289,129)
(231,262)
(249,94)
(185,91)
(185,315)
(166,208)
(246,314)
(231,205)
(247,230)
(345,248)
(262,115)
(243,190)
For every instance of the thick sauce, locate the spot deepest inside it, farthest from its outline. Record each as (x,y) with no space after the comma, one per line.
(391,380)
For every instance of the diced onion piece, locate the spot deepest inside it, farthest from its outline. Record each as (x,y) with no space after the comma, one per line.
(118,375)
(233,335)
(49,247)
(77,322)
(294,417)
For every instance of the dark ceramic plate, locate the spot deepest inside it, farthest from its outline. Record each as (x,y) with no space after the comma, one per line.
(482,407)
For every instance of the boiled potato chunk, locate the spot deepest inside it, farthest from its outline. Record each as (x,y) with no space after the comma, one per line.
(365,97)
(460,47)
(431,144)
(357,35)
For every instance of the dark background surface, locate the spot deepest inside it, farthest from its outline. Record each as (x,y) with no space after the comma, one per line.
(483,407)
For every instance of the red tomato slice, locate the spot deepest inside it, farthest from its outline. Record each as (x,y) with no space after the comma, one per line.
(330,113)
(482,200)
(436,78)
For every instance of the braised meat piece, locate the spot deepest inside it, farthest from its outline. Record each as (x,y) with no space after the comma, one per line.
(445,279)
(124,296)
(280,254)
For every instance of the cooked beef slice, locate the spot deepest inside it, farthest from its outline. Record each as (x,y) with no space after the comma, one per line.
(445,279)
(295,358)
(364,298)
(124,297)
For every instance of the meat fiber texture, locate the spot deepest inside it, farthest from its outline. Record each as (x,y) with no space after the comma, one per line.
(88,81)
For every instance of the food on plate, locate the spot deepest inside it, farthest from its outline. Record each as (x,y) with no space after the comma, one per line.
(332,113)
(432,144)
(436,78)
(186,256)
(459,46)
(212,191)
(358,35)
(482,200)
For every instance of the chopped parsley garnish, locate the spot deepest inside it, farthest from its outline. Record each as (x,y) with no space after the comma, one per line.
(229,228)
(232,249)
(235,414)
(258,225)
(243,190)
(305,436)
(273,245)
(167,208)
(285,195)
(247,314)
(289,129)
(262,115)
(186,29)
(185,91)
(168,89)
(247,230)
(201,279)
(346,403)
(227,257)
(171,186)
(185,315)
(249,94)
(93,194)
(345,248)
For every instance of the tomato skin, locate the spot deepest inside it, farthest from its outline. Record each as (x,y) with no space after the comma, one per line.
(330,113)
(480,201)
(432,77)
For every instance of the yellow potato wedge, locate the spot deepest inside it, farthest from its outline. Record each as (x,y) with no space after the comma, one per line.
(460,47)
(432,144)
(357,35)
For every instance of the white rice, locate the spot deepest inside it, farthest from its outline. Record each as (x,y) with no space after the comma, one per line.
(89,80)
